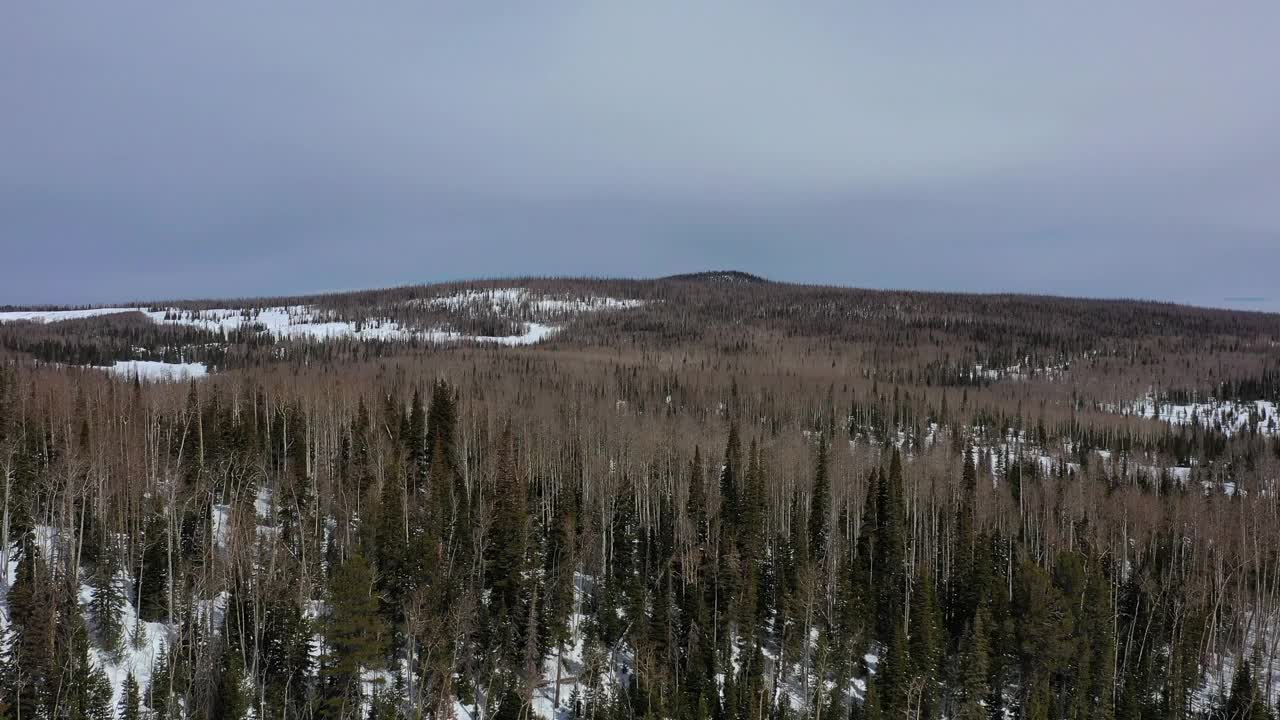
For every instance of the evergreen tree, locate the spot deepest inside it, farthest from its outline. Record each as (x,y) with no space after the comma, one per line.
(1245,701)
(968,676)
(395,576)
(105,606)
(415,440)
(32,619)
(696,507)
(890,556)
(95,697)
(230,701)
(354,637)
(964,586)
(506,557)
(729,481)
(871,707)
(130,707)
(1044,631)
(821,505)
(10,675)
(926,646)
(153,577)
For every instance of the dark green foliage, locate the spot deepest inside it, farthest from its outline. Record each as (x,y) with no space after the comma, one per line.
(94,701)
(820,509)
(890,547)
(926,645)
(355,639)
(1245,701)
(106,604)
(153,576)
(130,707)
(33,622)
(1044,637)
(506,559)
(730,481)
(394,558)
(230,701)
(969,671)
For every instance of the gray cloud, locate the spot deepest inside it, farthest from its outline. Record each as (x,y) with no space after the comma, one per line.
(235,148)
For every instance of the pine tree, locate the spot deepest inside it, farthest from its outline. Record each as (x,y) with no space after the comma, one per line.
(926,645)
(96,697)
(696,507)
(871,707)
(10,674)
(894,680)
(354,637)
(130,700)
(32,620)
(105,606)
(963,588)
(415,444)
(153,579)
(395,565)
(729,481)
(506,561)
(76,686)
(1044,629)
(821,505)
(160,692)
(1245,701)
(286,654)
(229,700)
(890,554)
(968,676)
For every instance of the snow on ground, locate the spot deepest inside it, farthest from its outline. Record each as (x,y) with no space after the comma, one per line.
(1261,633)
(1232,417)
(220,524)
(48,316)
(137,659)
(533,333)
(294,321)
(155,371)
(1020,371)
(302,321)
(310,322)
(140,645)
(503,299)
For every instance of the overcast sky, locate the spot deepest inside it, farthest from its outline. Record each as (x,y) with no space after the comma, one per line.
(160,150)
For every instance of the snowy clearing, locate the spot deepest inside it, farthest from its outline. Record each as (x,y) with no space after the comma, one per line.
(155,371)
(301,321)
(504,299)
(51,316)
(1229,416)
(295,321)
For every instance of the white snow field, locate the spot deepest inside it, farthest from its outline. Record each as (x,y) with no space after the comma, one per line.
(49,316)
(311,322)
(155,371)
(1229,416)
(137,657)
(294,321)
(504,299)
(302,321)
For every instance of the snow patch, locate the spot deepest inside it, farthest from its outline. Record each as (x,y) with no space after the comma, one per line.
(503,299)
(1229,416)
(155,371)
(51,316)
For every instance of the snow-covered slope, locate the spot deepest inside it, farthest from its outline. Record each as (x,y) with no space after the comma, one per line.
(156,371)
(49,316)
(1230,416)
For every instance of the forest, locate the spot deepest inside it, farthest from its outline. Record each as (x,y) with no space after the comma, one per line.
(704,496)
